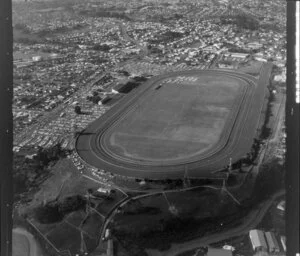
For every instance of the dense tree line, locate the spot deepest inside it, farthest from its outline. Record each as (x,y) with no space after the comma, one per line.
(264,134)
(270,179)
(55,211)
(95,98)
(46,155)
(172,229)
(77,110)
(266,131)
(29,172)
(133,83)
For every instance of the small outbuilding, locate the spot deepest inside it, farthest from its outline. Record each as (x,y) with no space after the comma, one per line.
(106,191)
(272,242)
(283,242)
(37,58)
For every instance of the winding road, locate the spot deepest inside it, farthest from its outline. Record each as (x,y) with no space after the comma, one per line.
(127,199)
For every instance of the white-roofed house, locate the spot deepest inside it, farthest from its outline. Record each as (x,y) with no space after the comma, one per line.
(258,240)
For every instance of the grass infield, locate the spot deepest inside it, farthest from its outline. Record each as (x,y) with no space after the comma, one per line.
(179,120)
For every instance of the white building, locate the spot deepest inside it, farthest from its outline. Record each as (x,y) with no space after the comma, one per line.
(280,78)
(260,59)
(283,242)
(255,45)
(281,205)
(258,240)
(105,191)
(228,247)
(239,55)
(37,58)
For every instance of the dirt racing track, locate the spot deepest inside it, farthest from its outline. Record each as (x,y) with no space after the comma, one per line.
(188,121)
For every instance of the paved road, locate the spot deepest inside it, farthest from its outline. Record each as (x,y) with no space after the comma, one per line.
(24,244)
(250,222)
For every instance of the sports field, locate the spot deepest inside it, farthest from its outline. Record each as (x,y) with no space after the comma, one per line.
(179,120)
(191,121)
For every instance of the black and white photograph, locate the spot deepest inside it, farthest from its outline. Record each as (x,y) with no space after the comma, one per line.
(148,128)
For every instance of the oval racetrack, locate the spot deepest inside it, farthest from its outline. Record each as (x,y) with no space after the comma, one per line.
(190,121)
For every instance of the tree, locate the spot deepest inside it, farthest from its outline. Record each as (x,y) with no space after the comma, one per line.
(96,99)
(49,213)
(270,178)
(77,110)
(101,47)
(71,203)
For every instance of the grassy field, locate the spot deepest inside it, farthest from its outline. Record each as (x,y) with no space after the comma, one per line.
(65,180)
(252,67)
(190,204)
(92,225)
(181,119)
(153,225)
(66,237)
(66,234)
(75,218)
